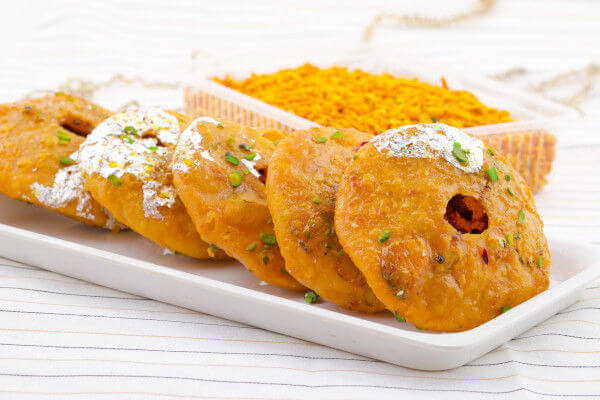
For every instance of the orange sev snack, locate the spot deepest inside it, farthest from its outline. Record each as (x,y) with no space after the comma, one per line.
(373,103)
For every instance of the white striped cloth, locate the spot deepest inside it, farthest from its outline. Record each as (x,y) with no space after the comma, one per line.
(61,338)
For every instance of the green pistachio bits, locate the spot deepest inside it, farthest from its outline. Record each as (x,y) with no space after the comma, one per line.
(510,239)
(539,261)
(399,317)
(235,178)
(505,309)
(66,161)
(62,136)
(459,153)
(268,238)
(316,201)
(492,173)
(385,235)
(231,158)
(521,217)
(490,151)
(337,135)
(250,156)
(311,297)
(153,148)
(321,139)
(510,192)
(115,180)
(251,247)
(130,130)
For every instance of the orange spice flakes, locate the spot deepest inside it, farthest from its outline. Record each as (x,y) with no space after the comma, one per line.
(344,98)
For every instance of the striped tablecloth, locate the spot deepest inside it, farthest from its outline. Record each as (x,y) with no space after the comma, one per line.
(62,338)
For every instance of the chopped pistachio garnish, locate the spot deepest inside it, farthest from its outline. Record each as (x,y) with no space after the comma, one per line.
(66,160)
(126,138)
(235,179)
(251,247)
(355,157)
(507,177)
(220,125)
(434,120)
(539,261)
(115,180)
(321,139)
(153,148)
(490,151)
(509,239)
(130,130)
(250,156)
(521,217)
(63,137)
(510,192)
(244,146)
(385,235)
(230,142)
(459,153)
(522,259)
(311,297)
(399,317)
(212,249)
(505,309)
(232,159)
(492,173)
(245,171)
(316,201)
(268,238)
(265,260)
(337,135)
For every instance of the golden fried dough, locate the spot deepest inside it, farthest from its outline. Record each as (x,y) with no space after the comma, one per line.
(304,172)
(443,228)
(37,139)
(126,164)
(219,171)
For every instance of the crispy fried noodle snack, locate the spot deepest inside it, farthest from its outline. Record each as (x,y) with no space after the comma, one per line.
(443,228)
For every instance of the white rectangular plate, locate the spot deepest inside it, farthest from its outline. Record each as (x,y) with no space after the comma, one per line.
(128,262)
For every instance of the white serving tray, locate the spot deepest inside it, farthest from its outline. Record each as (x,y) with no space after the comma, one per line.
(128,262)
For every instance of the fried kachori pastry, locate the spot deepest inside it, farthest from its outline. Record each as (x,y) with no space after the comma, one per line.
(304,172)
(126,164)
(445,231)
(219,171)
(37,140)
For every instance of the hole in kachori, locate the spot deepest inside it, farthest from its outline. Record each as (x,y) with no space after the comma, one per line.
(466,214)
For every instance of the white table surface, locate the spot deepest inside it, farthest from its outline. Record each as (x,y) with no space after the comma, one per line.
(66,339)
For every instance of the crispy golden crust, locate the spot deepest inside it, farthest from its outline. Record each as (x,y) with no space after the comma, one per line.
(301,190)
(127,197)
(426,270)
(31,151)
(235,218)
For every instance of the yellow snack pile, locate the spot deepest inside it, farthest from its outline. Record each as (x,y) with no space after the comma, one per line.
(357,99)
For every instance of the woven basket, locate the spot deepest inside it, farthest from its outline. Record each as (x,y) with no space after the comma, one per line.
(530,150)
